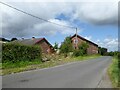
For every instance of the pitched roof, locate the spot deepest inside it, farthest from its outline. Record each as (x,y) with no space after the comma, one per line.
(3,39)
(84,39)
(31,41)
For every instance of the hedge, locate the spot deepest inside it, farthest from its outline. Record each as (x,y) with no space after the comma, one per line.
(17,52)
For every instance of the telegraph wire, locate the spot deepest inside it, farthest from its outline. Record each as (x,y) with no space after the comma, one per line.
(35,16)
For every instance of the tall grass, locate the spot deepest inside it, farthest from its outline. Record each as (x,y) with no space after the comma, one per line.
(114,72)
(0,65)
(10,67)
(20,64)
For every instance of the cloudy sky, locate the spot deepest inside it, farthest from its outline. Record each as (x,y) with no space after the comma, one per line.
(96,20)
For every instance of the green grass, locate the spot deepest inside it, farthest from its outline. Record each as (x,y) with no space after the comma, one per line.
(0,65)
(19,64)
(86,57)
(8,68)
(114,72)
(0,68)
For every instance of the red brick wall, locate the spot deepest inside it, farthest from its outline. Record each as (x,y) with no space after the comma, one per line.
(45,47)
(79,42)
(92,48)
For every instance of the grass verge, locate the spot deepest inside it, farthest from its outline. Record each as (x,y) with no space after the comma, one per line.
(114,73)
(9,68)
(0,65)
(0,68)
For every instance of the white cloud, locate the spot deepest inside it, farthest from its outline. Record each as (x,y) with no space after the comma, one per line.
(51,29)
(15,23)
(118,45)
(110,43)
(98,12)
(61,0)
(88,37)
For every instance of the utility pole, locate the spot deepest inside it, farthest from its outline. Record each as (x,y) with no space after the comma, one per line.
(76,39)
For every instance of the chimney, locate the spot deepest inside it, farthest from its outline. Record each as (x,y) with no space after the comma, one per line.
(33,38)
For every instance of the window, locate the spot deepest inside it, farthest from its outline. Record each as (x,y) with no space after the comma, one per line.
(75,40)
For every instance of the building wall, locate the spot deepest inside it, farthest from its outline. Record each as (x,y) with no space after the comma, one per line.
(45,47)
(92,48)
(79,42)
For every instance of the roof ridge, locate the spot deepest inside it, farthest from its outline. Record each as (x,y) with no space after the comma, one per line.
(84,39)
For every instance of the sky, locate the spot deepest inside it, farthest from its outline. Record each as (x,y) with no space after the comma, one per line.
(96,20)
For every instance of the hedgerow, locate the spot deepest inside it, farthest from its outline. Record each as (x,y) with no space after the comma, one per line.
(17,52)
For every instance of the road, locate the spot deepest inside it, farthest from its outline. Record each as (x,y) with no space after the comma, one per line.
(82,74)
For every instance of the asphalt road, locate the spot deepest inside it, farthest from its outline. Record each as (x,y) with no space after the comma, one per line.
(84,74)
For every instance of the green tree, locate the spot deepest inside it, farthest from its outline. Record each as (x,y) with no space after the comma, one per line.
(56,46)
(13,39)
(102,51)
(82,49)
(66,46)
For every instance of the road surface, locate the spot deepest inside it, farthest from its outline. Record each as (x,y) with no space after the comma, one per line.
(83,74)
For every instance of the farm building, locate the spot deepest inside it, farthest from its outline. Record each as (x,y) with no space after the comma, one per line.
(77,40)
(46,47)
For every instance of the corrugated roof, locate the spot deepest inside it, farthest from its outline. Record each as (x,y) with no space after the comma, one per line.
(84,39)
(28,41)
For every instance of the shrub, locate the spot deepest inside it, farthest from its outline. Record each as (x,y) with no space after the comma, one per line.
(66,46)
(76,53)
(102,51)
(82,50)
(114,72)
(16,52)
(56,46)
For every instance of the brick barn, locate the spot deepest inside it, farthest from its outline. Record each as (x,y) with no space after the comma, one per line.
(46,47)
(92,49)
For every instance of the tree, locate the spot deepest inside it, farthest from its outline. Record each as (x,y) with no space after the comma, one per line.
(66,46)
(56,46)
(3,39)
(13,39)
(82,49)
(102,51)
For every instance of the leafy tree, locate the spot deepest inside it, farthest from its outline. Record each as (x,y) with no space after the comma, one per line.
(115,53)
(102,51)
(119,60)
(76,53)
(3,39)
(82,50)
(56,46)
(66,45)
(13,39)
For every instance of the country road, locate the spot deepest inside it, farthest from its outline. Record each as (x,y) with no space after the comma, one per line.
(83,74)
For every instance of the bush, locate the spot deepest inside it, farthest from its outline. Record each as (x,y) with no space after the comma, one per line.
(16,52)
(102,51)
(118,60)
(66,46)
(76,53)
(82,50)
